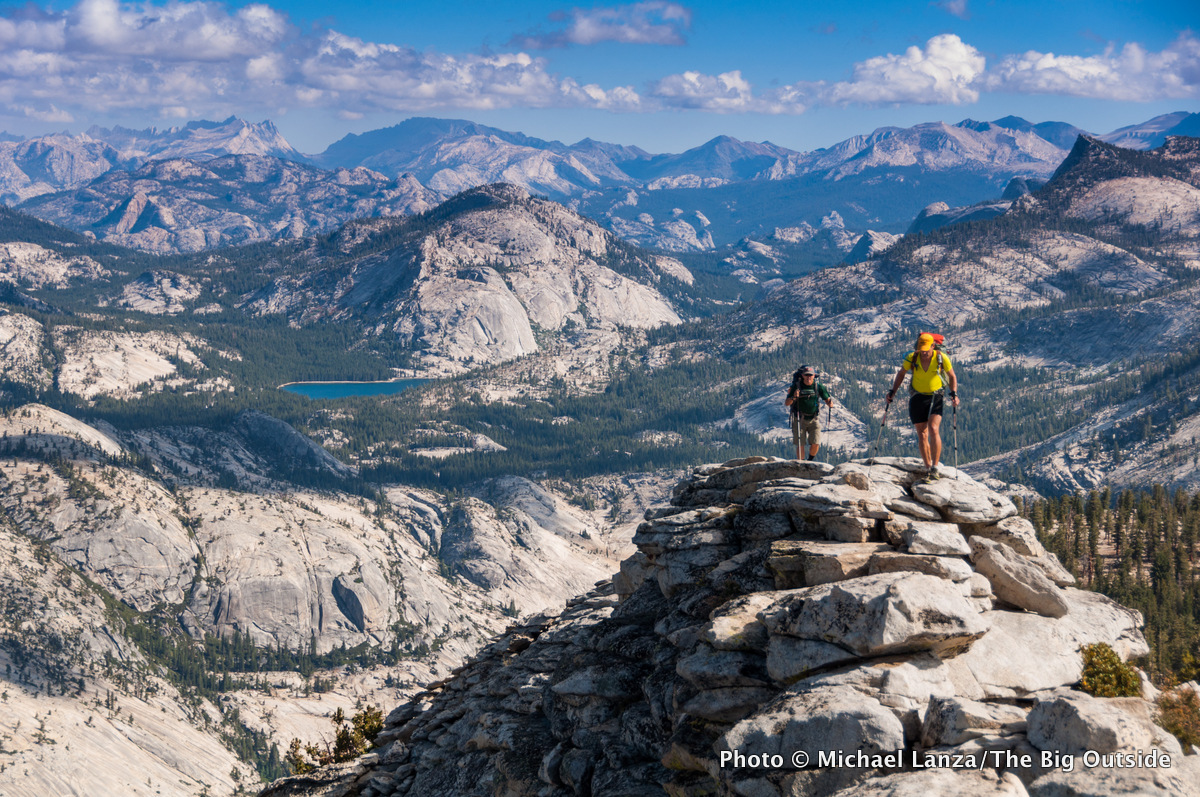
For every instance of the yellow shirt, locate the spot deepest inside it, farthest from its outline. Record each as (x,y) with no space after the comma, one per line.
(927,381)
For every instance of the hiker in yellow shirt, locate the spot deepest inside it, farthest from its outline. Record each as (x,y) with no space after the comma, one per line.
(928,365)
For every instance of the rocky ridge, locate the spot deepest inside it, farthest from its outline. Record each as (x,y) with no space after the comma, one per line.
(190,531)
(778,606)
(57,162)
(441,157)
(188,205)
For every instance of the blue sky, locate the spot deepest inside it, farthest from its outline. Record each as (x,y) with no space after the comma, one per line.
(659,74)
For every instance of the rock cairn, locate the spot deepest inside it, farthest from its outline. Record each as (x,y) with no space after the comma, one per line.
(778,606)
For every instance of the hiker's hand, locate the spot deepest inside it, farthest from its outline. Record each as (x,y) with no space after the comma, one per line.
(891,394)
(953,398)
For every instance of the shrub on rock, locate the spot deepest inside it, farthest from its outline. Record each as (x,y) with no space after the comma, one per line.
(1105,675)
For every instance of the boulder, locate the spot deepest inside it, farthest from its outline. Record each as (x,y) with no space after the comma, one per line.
(1048,563)
(742,573)
(729,478)
(845,528)
(600,681)
(632,574)
(977,586)
(940,783)
(948,567)
(909,469)
(859,480)
(653,542)
(915,509)
(1025,653)
(964,501)
(880,614)
(954,720)
(765,526)
(681,568)
(1178,781)
(728,704)
(835,718)
(1073,723)
(805,563)
(790,659)
(938,539)
(815,500)
(707,668)
(1015,581)
(735,625)
(878,474)
(1015,532)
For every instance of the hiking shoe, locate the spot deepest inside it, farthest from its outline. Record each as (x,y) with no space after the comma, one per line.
(933,474)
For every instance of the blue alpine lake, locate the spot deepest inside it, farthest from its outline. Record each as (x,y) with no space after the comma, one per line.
(332,390)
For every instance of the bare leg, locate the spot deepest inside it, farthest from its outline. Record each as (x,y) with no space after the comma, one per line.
(812,452)
(935,439)
(923,442)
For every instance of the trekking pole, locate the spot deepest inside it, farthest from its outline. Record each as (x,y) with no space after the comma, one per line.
(875,448)
(955,406)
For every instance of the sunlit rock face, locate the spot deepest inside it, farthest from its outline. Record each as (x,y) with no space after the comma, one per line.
(750,624)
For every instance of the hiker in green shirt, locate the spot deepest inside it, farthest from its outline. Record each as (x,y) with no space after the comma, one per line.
(804,399)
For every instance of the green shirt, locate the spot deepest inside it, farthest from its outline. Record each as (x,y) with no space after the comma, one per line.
(808,398)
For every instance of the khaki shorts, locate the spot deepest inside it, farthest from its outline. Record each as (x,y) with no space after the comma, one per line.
(806,430)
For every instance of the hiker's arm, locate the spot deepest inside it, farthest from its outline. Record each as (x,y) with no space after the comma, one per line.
(896,383)
(828,397)
(953,379)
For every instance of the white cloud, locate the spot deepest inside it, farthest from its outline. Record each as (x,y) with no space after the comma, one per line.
(727,92)
(1130,73)
(203,58)
(956,7)
(50,114)
(650,22)
(943,73)
(177,31)
(194,58)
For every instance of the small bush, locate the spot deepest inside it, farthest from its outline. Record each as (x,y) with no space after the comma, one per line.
(1179,713)
(351,739)
(1105,675)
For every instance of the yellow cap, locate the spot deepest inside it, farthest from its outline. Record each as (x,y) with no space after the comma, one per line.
(925,342)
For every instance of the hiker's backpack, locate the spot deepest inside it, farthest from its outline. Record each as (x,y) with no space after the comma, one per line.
(938,342)
(797,384)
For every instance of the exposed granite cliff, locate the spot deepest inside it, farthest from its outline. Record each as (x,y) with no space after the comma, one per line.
(779,606)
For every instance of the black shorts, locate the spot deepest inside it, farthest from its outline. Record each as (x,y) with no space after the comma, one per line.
(922,406)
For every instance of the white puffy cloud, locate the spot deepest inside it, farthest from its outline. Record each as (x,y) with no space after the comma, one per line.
(196,58)
(193,58)
(49,114)
(942,73)
(945,71)
(358,75)
(177,31)
(727,92)
(649,22)
(1130,73)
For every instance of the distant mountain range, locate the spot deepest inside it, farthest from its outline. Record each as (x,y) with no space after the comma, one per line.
(709,196)
(1077,306)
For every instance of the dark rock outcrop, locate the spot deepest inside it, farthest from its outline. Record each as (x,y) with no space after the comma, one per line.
(748,628)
